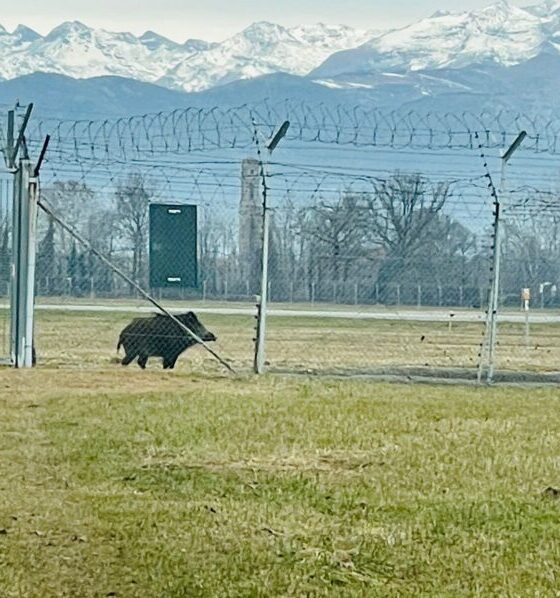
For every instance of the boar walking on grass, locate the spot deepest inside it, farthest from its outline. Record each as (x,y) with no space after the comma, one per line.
(160,336)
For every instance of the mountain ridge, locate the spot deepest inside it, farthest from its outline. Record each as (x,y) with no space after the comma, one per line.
(76,50)
(529,88)
(499,32)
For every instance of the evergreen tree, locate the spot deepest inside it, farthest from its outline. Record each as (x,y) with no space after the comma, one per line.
(83,278)
(72,267)
(46,267)
(4,258)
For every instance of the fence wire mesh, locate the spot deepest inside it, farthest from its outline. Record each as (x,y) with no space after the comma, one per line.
(529,320)
(381,238)
(380,270)
(77,291)
(5,260)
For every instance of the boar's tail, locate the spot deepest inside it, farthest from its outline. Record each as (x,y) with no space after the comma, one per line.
(119,345)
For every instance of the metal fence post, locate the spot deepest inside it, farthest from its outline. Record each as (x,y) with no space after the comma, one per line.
(265,283)
(23,264)
(261,329)
(495,292)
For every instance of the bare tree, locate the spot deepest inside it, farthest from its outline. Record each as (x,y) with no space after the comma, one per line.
(73,200)
(102,233)
(336,239)
(401,212)
(285,249)
(531,251)
(446,252)
(395,232)
(402,208)
(132,199)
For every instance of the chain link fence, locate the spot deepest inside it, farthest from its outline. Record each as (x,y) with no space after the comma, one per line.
(386,271)
(529,301)
(342,299)
(88,308)
(381,243)
(5,260)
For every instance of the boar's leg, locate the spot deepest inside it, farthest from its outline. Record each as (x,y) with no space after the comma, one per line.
(143,360)
(169,361)
(128,358)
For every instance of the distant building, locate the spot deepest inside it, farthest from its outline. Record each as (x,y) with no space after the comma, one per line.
(250,224)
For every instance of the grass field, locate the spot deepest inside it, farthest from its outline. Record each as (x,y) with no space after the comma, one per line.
(308,344)
(121,482)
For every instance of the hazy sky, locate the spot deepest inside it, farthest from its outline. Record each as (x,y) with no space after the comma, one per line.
(215,20)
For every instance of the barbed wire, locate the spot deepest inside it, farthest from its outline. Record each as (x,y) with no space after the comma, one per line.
(206,129)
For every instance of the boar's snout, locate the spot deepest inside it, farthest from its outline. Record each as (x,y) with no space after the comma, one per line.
(209,337)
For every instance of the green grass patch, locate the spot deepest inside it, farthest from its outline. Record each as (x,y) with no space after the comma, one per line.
(130,483)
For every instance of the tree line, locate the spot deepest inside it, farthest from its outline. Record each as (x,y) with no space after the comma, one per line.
(389,244)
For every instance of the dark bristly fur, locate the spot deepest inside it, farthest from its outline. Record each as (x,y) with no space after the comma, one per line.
(160,336)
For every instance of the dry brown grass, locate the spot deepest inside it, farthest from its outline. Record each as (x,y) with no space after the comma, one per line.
(88,339)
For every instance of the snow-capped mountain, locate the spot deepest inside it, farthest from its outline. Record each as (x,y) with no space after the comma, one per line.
(78,51)
(333,56)
(261,49)
(545,8)
(500,33)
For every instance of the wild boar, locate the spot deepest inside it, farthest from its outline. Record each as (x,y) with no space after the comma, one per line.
(160,336)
